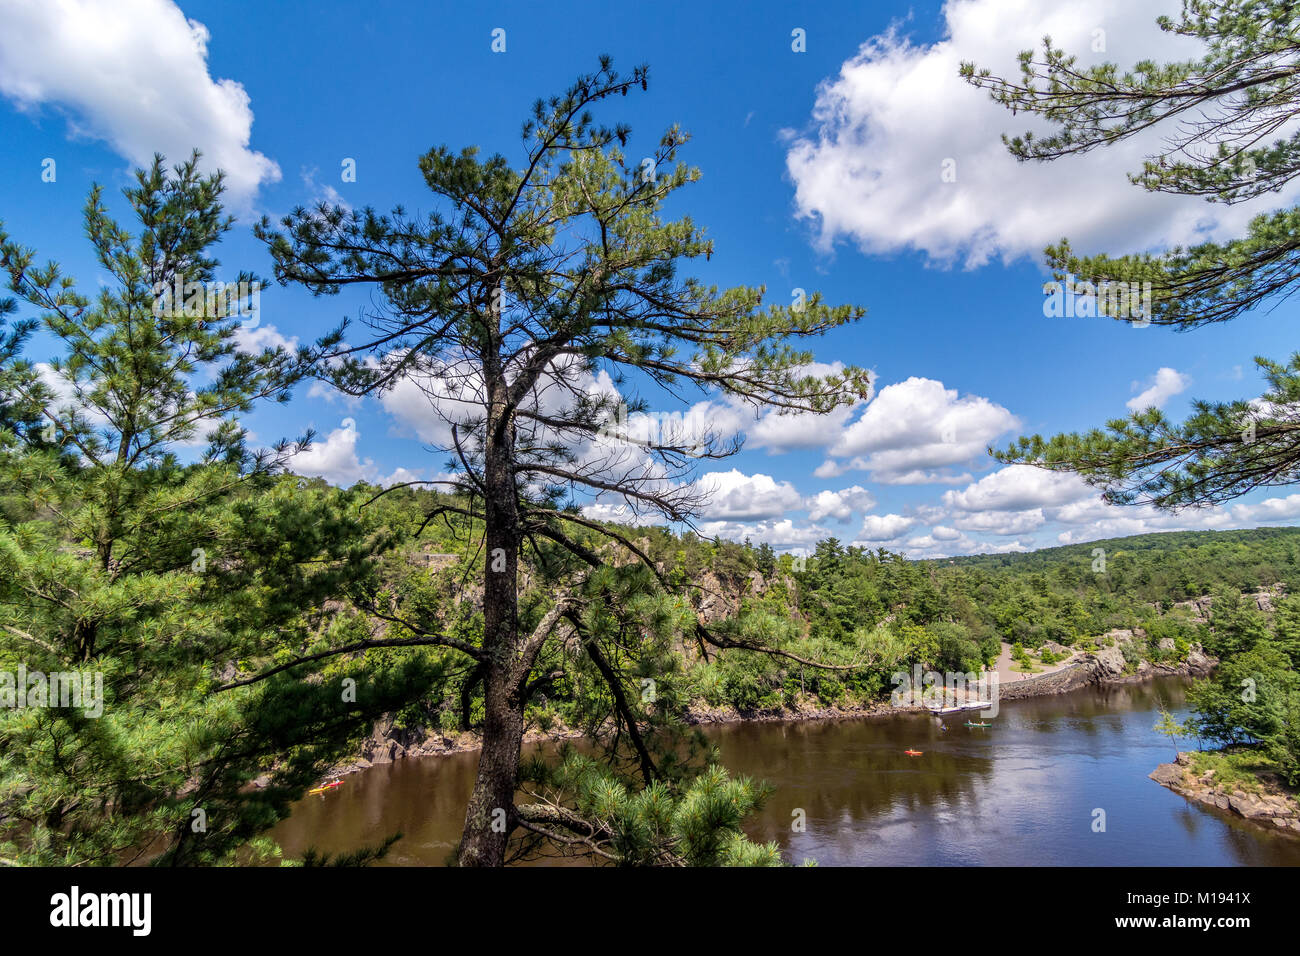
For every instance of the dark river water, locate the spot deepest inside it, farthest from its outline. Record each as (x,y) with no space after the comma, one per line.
(1024,792)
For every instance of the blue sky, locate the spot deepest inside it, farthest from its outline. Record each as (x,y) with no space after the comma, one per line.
(822,169)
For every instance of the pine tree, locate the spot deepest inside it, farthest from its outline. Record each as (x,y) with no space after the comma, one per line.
(1220,114)
(507,305)
(152,576)
(1169,727)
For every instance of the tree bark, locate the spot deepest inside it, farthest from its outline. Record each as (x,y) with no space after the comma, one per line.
(490,817)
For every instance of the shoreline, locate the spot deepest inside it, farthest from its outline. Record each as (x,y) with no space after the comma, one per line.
(1272,808)
(384,745)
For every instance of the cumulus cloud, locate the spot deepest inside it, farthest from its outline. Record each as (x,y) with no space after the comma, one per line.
(1001,522)
(261,337)
(932,545)
(135,75)
(1123,522)
(777,433)
(783,534)
(839,505)
(322,192)
(877,529)
(913,431)
(1165,384)
(735,496)
(1270,509)
(770,429)
(1019,488)
(620,513)
(335,458)
(871,168)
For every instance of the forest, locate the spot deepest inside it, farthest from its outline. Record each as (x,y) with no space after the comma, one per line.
(318,589)
(246,626)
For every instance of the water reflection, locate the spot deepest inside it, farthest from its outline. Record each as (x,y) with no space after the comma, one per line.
(1022,792)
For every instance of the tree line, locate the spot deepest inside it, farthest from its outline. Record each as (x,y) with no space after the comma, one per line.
(248,623)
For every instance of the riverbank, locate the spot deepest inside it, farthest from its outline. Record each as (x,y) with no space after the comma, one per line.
(388,743)
(1019,793)
(1253,793)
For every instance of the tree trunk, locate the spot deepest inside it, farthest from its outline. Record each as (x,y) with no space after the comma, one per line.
(490,817)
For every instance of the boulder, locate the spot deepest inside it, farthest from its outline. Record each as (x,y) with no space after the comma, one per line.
(1110,661)
(1168,775)
(1251,806)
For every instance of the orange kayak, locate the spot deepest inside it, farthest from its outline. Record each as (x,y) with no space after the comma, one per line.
(328,786)
(914,753)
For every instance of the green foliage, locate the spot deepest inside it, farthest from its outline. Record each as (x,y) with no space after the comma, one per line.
(119,561)
(363,857)
(1239,90)
(1247,699)
(695,822)
(1169,727)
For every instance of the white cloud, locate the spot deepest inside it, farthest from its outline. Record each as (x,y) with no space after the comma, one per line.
(839,505)
(322,192)
(1124,523)
(804,430)
(1270,509)
(323,391)
(135,74)
(783,534)
(1165,384)
(914,427)
(67,401)
(335,459)
(879,528)
(932,545)
(770,429)
(1019,488)
(735,496)
(943,542)
(262,337)
(1001,522)
(622,514)
(870,171)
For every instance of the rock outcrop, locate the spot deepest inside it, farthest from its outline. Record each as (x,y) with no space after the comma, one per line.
(1271,806)
(1108,662)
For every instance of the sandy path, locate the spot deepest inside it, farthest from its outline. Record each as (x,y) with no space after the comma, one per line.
(1007,676)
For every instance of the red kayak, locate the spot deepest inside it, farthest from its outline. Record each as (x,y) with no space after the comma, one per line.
(328,786)
(914,753)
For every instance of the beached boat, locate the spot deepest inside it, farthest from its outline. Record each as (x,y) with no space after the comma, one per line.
(958,708)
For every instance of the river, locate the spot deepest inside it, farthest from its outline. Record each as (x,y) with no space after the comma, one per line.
(1026,791)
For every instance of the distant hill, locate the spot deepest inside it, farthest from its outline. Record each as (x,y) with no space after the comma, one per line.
(1156,541)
